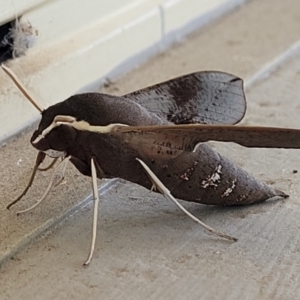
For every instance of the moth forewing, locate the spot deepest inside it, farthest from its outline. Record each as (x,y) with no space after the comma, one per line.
(186,137)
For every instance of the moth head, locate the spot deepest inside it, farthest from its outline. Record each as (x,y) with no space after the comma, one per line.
(55,133)
(54,136)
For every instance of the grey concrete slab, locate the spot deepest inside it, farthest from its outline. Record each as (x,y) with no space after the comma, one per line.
(146,248)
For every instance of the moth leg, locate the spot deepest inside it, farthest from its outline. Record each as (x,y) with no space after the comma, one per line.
(62,175)
(65,161)
(161,187)
(153,188)
(96,206)
(53,162)
(39,159)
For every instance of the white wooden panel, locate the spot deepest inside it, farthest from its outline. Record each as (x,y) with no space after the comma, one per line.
(11,8)
(178,13)
(56,20)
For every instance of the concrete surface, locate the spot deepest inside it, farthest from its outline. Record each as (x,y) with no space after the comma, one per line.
(146,248)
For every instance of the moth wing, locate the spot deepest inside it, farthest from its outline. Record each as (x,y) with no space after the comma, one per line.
(186,137)
(208,97)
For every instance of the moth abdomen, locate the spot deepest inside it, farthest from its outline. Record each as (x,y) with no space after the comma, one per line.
(206,177)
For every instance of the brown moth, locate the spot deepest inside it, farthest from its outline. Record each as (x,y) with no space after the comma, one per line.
(155,137)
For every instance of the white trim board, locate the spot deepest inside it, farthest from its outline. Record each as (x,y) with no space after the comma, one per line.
(106,47)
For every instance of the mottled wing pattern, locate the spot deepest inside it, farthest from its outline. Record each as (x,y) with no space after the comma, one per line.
(186,137)
(208,97)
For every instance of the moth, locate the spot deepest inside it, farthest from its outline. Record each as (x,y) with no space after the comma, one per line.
(155,137)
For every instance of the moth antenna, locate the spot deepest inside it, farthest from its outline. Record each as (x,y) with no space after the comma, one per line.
(96,207)
(48,187)
(39,159)
(20,86)
(161,187)
(53,162)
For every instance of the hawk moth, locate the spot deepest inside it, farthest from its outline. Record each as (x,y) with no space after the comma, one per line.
(155,137)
